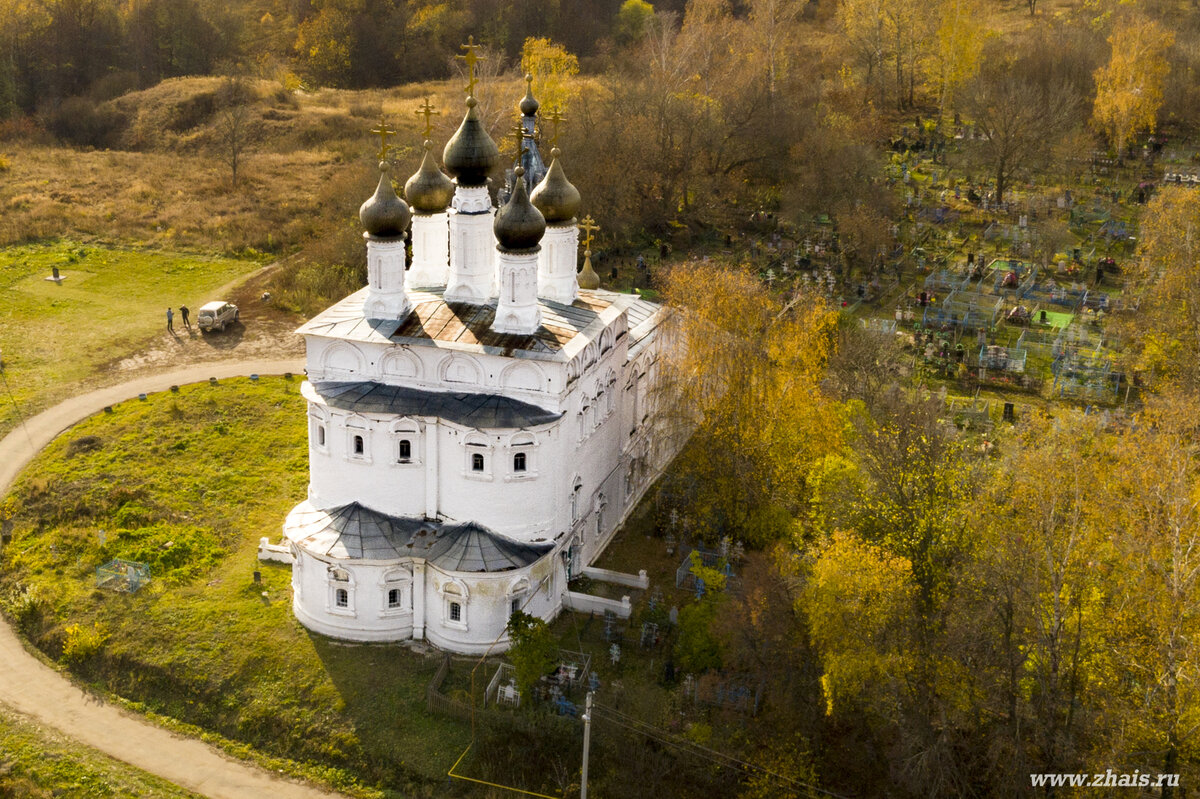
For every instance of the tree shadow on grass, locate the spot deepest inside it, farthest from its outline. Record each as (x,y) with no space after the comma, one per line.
(382,691)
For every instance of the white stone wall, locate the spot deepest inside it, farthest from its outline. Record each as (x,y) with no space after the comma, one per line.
(538,382)
(367,615)
(486,604)
(556,264)
(431,250)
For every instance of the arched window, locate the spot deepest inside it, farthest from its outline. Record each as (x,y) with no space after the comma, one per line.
(395,598)
(359,447)
(320,435)
(576,498)
(454,595)
(341,592)
(405,450)
(477,461)
(519,462)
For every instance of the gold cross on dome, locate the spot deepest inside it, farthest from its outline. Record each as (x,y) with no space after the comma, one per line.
(588,226)
(518,134)
(426,110)
(556,118)
(472,58)
(384,133)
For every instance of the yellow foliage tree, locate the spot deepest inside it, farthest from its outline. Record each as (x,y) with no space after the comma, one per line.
(955,59)
(857,600)
(1129,89)
(553,69)
(745,376)
(1166,332)
(1152,506)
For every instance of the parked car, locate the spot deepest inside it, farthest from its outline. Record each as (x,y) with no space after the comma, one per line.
(216,315)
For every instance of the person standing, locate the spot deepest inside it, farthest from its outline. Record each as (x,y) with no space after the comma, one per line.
(183,311)
(170,321)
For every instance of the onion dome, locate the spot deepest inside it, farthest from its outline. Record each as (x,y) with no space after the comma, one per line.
(529,105)
(518,225)
(471,154)
(384,215)
(555,196)
(588,279)
(429,191)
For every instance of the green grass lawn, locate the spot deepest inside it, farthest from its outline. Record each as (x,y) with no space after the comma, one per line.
(36,762)
(109,305)
(188,483)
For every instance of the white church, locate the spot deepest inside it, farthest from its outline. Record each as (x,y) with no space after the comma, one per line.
(478,421)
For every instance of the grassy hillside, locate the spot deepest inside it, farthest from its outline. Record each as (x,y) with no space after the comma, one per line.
(188,482)
(110,303)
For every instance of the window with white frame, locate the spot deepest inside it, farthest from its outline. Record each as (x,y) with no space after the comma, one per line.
(397,587)
(521,446)
(358,440)
(341,591)
(478,452)
(406,437)
(576,498)
(317,423)
(518,594)
(454,600)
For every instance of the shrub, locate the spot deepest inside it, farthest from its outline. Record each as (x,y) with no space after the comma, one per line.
(80,121)
(5,164)
(26,606)
(81,643)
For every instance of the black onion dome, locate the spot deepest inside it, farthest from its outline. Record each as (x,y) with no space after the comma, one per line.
(518,225)
(529,105)
(429,191)
(384,215)
(556,197)
(471,154)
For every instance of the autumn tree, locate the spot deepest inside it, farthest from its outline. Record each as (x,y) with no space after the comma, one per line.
(956,56)
(1165,333)
(1029,609)
(1129,89)
(534,652)
(773,29)
(633,19)
(552,68)
(745,375)
(1020,119)
(1152,505)
(236,126)
(864,25)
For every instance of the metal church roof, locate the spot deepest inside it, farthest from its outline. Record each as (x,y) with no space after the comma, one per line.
(356,532)
(473,410)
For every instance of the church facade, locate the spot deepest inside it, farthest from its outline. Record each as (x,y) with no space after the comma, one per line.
(478,420)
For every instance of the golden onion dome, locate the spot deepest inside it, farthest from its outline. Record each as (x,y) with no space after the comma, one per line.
(588,279)
(384,215)
(556,197)
(429,191)
(471,155)
(519,225)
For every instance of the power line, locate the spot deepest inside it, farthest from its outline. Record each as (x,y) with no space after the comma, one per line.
(632,724)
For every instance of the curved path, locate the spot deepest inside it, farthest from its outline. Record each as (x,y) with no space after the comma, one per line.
(35,689)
